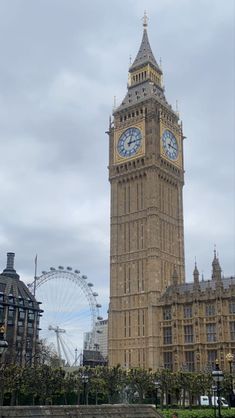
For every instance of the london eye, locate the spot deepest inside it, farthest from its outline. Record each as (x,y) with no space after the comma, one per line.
(70,309)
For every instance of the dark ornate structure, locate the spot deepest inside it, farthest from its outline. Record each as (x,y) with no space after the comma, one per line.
(19,314)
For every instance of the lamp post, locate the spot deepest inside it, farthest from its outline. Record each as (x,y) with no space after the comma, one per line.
(85,381)
(229,358)
(157,386)
(218,377)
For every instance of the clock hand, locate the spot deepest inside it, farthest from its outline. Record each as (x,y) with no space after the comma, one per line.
(172,147)
(131,142)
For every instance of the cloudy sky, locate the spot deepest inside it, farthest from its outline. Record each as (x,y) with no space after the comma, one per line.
(62,62)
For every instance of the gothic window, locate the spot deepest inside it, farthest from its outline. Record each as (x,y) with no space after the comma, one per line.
(188,334)
(232,331)
(167,360)
(232,307)
(188,311)
(210,309)
(211,357)
(143,322)
(129,324)
(125,333)
(211,332)
(167,312)
(189,360)
(167,335)
(138,323)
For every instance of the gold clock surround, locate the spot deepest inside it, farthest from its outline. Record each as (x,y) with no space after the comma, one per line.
(118,159)
(178,136)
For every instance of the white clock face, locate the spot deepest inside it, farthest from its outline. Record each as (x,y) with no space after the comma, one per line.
(129,142)
(170,145)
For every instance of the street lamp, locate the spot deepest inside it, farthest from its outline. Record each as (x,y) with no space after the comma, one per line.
(229,358)
(3,342)
(85,378)
(157,386)
(218,377)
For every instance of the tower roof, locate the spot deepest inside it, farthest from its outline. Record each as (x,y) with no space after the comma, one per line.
(145,54)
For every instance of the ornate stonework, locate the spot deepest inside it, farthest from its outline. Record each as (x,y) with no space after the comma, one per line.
(146,176)
(155,318)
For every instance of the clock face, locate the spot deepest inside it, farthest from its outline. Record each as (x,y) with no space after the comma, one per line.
(170,145)
(129,142)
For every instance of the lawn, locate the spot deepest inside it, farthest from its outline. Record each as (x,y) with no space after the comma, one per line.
(198,413)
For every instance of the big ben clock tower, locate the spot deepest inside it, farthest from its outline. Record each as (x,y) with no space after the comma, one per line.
(147,239)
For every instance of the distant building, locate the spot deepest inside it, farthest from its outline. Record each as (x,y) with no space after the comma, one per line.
(101,329)
(95,344)
(20,314)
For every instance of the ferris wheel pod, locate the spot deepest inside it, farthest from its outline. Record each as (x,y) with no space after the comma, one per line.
(95,294)
(84,277)
(98,305)
(100,318)
(61,268)
(90,284)
(77,271)
(69,268)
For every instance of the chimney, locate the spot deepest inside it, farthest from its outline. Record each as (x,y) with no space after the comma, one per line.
(9,271)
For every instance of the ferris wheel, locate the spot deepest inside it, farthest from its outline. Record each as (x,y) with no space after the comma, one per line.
(70,309)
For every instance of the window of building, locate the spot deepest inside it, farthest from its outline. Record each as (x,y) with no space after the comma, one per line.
(188,311)
(11,315)
(232,307)
(1,313)
(31,315)
(211,332)
(167,360)
(210,309)
(189,360)
(21,314)
(167,312)
(11,299)
(21,301)
(1,297)
(211,357)
(188,334)
(232,331)
(167,335)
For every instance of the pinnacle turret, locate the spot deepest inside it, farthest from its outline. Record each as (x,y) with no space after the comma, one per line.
(216,269)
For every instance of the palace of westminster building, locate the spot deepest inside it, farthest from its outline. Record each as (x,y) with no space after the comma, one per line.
(156,319)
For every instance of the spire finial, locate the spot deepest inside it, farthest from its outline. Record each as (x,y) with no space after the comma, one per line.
(214,250)
(145,20)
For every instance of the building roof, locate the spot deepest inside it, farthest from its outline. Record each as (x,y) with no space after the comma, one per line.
(145,55)
(204,286)
(11,285)
(141,92)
